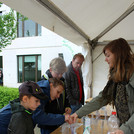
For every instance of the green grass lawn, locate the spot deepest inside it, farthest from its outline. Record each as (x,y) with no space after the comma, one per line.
(7,94)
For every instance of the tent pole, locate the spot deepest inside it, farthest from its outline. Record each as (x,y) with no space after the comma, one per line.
(60,14)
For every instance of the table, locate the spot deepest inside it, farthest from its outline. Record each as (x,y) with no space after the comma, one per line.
(104,111)
(96,127)
(99,126)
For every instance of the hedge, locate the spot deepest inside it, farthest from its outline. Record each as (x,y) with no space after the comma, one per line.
(7,94)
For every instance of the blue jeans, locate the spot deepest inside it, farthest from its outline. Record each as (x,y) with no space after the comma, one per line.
(75,107)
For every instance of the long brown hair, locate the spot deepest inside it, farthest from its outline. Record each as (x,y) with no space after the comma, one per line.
(124,60)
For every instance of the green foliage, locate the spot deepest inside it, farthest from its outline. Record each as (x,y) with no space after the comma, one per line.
(21,17)
(8,29)
(7,94)
(0,4)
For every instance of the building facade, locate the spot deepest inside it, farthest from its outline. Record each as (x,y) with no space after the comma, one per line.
(29,55)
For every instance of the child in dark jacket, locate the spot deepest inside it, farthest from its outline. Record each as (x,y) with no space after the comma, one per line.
(29,99)
(61,105)
(53,88)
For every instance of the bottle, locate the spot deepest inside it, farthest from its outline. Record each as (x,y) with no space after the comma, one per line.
(113,123)
(86,125)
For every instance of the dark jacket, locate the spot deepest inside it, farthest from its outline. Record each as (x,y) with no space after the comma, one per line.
(21,120)
(72,86)
(57,106)
(39,116)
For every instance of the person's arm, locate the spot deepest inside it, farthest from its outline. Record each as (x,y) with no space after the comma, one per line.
(95,104)
(42,118)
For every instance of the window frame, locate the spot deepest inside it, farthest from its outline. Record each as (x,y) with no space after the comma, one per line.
(23,70)
(36,28)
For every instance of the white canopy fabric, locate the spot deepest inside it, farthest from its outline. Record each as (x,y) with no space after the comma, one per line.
(83,22)
(80,21)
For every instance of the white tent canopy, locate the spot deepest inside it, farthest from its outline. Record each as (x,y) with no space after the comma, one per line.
(80,21)
(83,22)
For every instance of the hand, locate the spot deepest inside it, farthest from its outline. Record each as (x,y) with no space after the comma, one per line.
(74,117)
(118,132)
(68,119)
(68,110)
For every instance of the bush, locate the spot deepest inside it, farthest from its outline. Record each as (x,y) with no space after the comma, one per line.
(7,94)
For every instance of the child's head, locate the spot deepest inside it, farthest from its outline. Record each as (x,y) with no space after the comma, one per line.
(56,88)
(57,67)
(30,94)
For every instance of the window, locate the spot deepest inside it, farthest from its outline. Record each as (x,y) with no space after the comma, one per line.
(28,28)
(61,55)
(1,63)
(29,68)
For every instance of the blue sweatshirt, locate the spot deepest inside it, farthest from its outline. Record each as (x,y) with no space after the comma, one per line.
(42,118)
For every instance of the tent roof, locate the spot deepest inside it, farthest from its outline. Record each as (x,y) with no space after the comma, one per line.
(81,21)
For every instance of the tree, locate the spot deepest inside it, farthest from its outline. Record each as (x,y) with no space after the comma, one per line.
(8,28)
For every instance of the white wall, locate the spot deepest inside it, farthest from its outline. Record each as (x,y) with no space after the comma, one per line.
(48,45)
(10,61)
(68,47)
